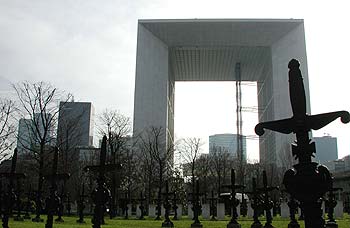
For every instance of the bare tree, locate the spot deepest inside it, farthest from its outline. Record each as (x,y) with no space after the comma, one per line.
(39,104)
(190,149)
(159,153)
(7,128)
(219,159)
(117,128)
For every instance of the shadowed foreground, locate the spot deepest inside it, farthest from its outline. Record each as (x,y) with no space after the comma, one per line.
(150,223)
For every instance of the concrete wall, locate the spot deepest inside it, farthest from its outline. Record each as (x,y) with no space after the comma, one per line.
(151,89)
(292,45)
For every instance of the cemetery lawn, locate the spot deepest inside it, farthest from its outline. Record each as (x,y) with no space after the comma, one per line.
(70,222)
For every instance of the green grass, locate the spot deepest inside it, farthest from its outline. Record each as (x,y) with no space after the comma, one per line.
(70,222)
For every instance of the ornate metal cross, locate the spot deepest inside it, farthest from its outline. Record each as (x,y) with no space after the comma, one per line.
(81,205)
(10,197)
(234,202)
(307,181)
(268,204)
(54,200)
(175,207)
(167,207)
(256,205)
(141,207)
(101,194)
(196,208)
(212,200)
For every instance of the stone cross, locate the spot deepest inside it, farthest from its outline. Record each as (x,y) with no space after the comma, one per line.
(101,194)
(267,204)
(307,181)
(167,206)
(54,199)
(234,202)
(10,197)
(81,205)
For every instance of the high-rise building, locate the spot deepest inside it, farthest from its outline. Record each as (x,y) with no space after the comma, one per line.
(75,125)
(326,149)
(32,131)
(226,143)
(24,139)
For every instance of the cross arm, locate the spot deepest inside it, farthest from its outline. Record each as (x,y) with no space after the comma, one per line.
(284,126)
(316,122)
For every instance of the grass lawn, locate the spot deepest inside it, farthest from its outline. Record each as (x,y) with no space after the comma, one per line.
(70,222)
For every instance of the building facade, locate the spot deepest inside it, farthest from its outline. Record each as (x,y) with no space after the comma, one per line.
(326,149)
(75,125)
(227,143)
(32,131)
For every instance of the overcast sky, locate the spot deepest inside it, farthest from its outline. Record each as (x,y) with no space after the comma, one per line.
(89,48)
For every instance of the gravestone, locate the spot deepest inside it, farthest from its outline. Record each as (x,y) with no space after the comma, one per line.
(250,211)
(307,181)
(129,209)
(190,211)
(206,211)
(220,211)
(339,209)
(152,211)
(179,211)
(284,210)
(138,211)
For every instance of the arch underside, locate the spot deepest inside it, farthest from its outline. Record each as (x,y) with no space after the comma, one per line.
(170,51)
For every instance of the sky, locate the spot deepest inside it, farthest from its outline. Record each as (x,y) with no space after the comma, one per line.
(89,48)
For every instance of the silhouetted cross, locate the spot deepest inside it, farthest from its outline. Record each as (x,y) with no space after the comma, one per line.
(54,199)
(81,205)
(300,123)
(307,181)
(101,194)
(234,202)
(10,196)
(268,204)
